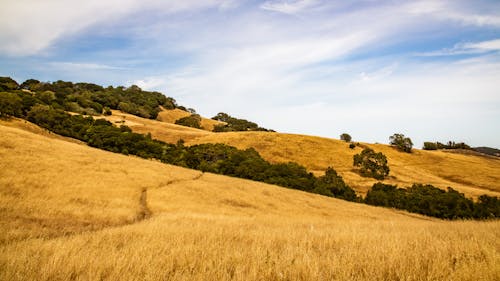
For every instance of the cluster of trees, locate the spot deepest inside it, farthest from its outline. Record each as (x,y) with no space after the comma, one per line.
(91,99)
(449,145)
(233,124)
(432,201)
(401,142)
(371,164)
(193,121)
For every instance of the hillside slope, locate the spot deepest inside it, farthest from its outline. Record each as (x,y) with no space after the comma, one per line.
(172,115)
(74,212)
(471,174)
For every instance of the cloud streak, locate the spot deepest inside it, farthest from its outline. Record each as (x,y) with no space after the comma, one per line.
(370,68)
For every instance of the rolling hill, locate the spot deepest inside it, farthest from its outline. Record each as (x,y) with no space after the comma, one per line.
(471,174)
(172,115)
(71,212)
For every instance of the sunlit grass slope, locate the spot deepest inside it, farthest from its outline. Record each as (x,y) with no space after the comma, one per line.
(474,175)
(471,174)
(170,116)
(70,212)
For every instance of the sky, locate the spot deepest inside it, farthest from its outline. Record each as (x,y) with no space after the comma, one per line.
(427,69)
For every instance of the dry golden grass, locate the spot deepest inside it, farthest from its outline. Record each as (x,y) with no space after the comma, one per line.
(159,130)
(70,212)
(170,116)
(471,174)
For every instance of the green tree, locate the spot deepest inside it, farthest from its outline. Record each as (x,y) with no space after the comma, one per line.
(331,184)
(192,121)
(430,146)
(401,142)
(345,137)
(372,164)
(8,84)
(10,105)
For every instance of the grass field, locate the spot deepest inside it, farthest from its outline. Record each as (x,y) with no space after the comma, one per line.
(471,174)
(170,116)
(70,212)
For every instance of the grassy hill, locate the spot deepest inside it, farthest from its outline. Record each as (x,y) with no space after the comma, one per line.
(471,174)
(70,212)
(172,115)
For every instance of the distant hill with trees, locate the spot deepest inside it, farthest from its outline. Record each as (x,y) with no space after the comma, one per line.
(233,124)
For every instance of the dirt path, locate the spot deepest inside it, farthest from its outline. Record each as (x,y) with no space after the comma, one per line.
(144,211)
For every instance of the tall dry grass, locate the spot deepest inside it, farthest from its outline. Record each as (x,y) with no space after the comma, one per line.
(70,212)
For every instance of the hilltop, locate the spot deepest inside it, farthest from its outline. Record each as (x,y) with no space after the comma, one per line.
(75,212)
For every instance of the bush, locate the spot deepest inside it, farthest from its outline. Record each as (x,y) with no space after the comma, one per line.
(449,145)
(372,164)
(352,146)
(401,142)
(331,184)
(192,121)
(430,146)
(432,201)
(235,124)
(10,105)
(345,137)
(8,84)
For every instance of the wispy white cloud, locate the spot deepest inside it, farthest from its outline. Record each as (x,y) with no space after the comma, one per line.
(466,48)
(457,11)
(29,27)
(74,66)
(288,6)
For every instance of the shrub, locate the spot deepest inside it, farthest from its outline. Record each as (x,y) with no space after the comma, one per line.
(401,142)
(235,124)
(192,121)
(10,105)
(372,164)
(430,146)
(345,137)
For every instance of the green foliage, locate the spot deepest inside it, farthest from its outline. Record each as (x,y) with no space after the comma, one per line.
(345,137)
(10,105)
(372,164)
(235,124)
(352,146)
(401,142)
(449,145)
(106,111)
(331,184)
(192,121)
(91,99)
(8,84)
(430,146)
(432,201)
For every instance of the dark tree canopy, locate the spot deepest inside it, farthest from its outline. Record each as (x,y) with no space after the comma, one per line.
(345,137)
(10,105)
(401,142)
(372,164)
(8,84)
(192,121)
(235,124)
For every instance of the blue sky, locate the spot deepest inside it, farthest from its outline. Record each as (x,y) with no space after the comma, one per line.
(427,69)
